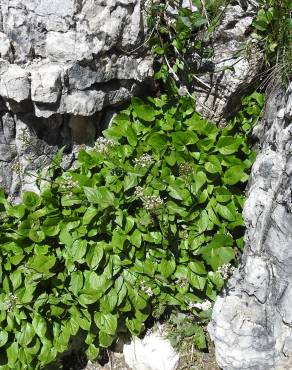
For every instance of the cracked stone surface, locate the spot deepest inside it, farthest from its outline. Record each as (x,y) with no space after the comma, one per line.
(63,59)
(226,77)
(252,320)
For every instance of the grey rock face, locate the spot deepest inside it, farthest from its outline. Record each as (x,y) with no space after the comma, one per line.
(252,321)
(228,75)
(60,59)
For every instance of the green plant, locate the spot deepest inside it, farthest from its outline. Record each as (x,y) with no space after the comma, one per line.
(144,221)
(181,38)
(274,28)
(183,332)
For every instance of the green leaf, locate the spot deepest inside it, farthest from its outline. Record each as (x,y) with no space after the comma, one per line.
(51,226)
(39,325)
(78,250)
(182,138)
(36,236)
(106,322)
(200,180)
(17,211)
(92,352)
(203,222)
(197,281)
(26,334)
(219,251)
(131,136)
(199,337)
(167,267)
(41,263)
(12,354)
(228,144)
(16,279)
(144,111)
(31,200)
(213,165)
(109,301)
(198,267)
(228,212)
(101,196)
(76,282)
(223,195)
(3,338)
(105,340)
(233,175)
(157,141)
(136,238)
(88,216)
(130,181)
(94,255)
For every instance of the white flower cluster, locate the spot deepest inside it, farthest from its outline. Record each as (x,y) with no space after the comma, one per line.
(10,302)
(185,169)
(152,203)
(184,234)
(226,270)
(17,167)
(182,282)
(144,161)
(146,289)
(25,136)
(139,191)
(204,306)
(69,184)
(103,145)
(3,217)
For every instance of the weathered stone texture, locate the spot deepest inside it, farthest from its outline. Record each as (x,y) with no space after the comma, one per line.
(252,320)
(233,68)
(65,58)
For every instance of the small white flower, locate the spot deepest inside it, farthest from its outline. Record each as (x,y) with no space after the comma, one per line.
(10,302)
(25,136)
(182,282)
(103,145)
(226,270)
(204,306)
(185,169)
(17,167)
(139,191)
(68,183)
(146,289)
(152,203)
(184,234)
(144,161)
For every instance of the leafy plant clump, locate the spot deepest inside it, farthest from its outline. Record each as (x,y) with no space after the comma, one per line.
(181,38)
(274,28)
(146,220)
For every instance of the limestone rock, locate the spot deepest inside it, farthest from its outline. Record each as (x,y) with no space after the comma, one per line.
(228,75)
(153,352)
(252,320)
(60,59)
